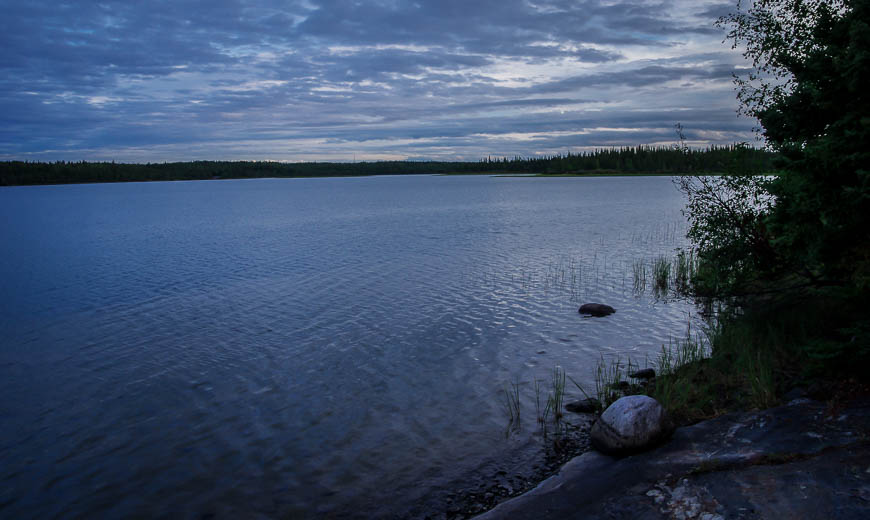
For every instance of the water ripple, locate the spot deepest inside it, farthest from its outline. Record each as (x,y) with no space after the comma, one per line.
(300,348)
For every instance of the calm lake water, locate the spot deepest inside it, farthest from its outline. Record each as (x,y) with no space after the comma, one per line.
(303,347)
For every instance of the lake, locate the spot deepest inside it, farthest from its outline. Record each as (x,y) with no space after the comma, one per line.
(301,348)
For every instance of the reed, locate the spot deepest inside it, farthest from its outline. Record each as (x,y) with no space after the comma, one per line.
(557,397)
(638,269)
(538,411)
(511,396)
(685,267)
(661,273)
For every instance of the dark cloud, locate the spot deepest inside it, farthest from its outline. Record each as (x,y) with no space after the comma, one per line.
(718,10)
(197,79)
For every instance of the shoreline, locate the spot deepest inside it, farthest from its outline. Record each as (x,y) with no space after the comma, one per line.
(506,479)
(369,175)
(789,453)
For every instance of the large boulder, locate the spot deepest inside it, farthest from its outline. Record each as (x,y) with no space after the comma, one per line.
(632,424)
(596,309)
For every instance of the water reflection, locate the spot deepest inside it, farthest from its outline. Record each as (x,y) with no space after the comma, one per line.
(303,347)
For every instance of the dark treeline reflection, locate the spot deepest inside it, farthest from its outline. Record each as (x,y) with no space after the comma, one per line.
(640,160)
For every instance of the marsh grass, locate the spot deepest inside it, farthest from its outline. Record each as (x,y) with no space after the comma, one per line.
(612,380)
(512,403)
(703,374)
(661,274)
(667,276)
(685,267)
(607,378)
(549,400)
(557,396)
(539,413)
(730,365)
(638,269)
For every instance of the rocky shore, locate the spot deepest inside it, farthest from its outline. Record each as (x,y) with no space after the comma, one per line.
(500,480)
(807,459)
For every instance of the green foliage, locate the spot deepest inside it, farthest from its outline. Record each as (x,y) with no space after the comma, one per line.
(727,225)
(808,91)
(807,229)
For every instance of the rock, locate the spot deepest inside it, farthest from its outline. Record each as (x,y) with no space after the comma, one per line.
(630,425)
(588,405)
(646,373)
(620,386)
(596,309)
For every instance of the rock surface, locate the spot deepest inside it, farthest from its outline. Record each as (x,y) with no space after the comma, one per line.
(631,424)
(804,460)
(596,309)
(588,405)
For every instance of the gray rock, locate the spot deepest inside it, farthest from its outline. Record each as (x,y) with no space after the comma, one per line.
(588,405)
(646,373)
(596,309)
(747,473)
(630,425)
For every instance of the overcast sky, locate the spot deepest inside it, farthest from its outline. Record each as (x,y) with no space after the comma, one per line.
(138,80)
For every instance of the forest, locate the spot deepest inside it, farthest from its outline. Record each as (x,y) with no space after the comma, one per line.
(625,160)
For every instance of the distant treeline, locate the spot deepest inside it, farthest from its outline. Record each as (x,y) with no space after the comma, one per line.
(632,160)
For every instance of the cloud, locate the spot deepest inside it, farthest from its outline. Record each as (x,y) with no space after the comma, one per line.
(230,79)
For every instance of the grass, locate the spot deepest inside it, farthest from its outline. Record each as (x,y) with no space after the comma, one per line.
(545,410)
(512,403)
(741,360)
(667,276)
(661,273)
(607,379)
(556,398)
(691,382)
(747,360)
(638,269)
(685,268)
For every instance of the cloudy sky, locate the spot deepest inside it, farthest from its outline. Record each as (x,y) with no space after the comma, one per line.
(164,80)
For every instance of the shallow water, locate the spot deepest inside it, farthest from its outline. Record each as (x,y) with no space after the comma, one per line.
(303,347)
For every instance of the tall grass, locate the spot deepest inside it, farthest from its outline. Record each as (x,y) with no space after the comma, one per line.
(512,403)
(557,397)
(539,413)
(661,272)
(612,380)
(638,269)
(678,366)
(667,276)
(685,268)
(549,401)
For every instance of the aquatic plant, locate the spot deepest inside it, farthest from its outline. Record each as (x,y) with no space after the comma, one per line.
(685,267)
(512,403)
(638,269)
(557,397)
(661,272)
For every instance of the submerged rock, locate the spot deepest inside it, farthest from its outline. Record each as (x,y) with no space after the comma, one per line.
(596,309)
(588,405)
(630,425)
(646,373)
